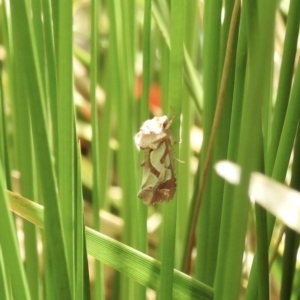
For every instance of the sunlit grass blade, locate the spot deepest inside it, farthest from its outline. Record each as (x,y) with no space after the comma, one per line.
(130,262)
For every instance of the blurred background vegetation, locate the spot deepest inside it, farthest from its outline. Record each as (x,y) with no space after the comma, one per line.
(78,78)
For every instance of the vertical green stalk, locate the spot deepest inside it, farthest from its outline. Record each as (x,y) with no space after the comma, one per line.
(82,286)
(267,22)
(126,130)
(36,10)
(144,114)
(285,116)
(26,167)
(262,252)
(99,279)
(104,129)
(250,152)
(281,164)
(146,81)
(4,289)
(24,162)
(213,207)
(51,73)
(66,134)
(161,13)
(239,80)
(174,102)
(8,42)
(9,246)
(285,82)
(211,56)
(4,151)
(291,237)
(230,28)
(183,171)
(25,48)
(121,75)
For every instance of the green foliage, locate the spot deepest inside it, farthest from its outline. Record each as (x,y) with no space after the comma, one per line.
(72,71)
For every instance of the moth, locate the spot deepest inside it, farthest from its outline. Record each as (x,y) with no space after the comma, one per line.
(158,181)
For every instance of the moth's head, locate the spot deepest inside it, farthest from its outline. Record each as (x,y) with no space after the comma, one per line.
(151,132)
(155,125)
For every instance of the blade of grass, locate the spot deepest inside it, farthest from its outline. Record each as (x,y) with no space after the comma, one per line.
(25,165)
(205,174)
(3,139)
(143,268)
(285,82)
(122,74)
(65,126)
(228,48)
(81,269)
(259,27)
(9,246)
(96,195)
(175,93)
(4,294)
(291,237)
(144,114)
(191,78)
(7,40)
(289,262)
(25,47)
(164,46)
(51,73)
(183,171)
(211,64)
(36,11)
(237,105)
(278,167)
(146,81)
(262,251)
(130,262)
(265,21)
